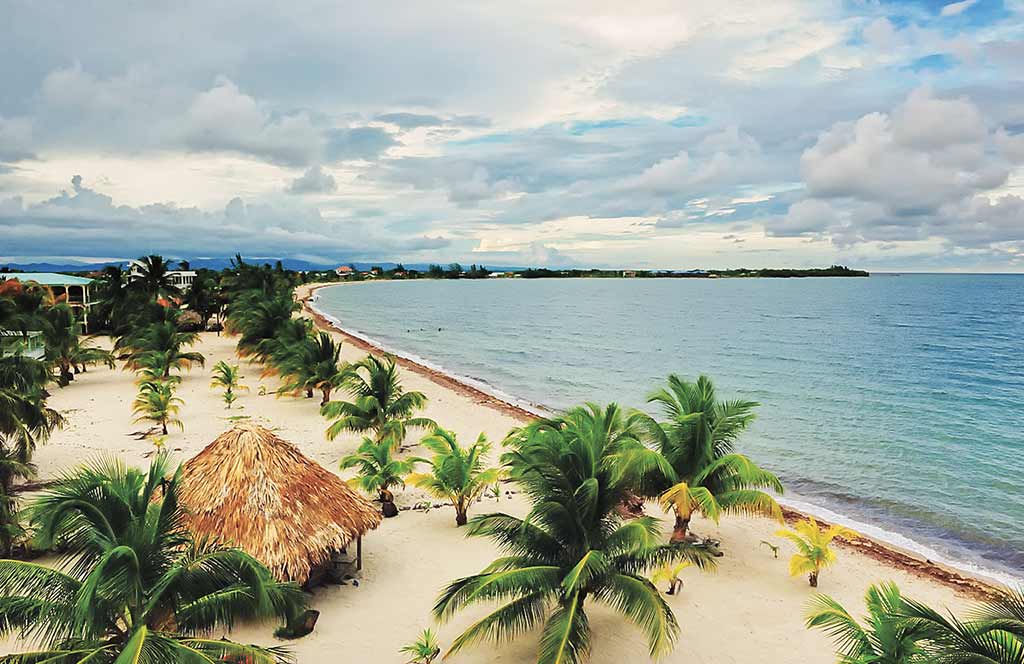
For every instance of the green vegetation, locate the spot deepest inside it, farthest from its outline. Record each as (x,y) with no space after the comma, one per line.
(313,364)
(424,649)
(695,468)
(898,630)
(813,547)
(378,470)
(379,403)
(131,584)
(457,474)
(156,403)
(573,546)
(228,378)
(65,348)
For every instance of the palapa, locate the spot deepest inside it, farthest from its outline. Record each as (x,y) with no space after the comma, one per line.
(251,489)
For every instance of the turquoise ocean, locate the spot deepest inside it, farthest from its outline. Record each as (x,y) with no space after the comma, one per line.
(893,403)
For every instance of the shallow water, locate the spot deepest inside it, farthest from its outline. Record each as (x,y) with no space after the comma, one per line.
(896,401)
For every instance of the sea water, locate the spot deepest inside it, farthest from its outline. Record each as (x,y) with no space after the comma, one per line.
(895,402)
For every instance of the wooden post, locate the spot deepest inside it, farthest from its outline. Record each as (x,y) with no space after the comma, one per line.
(359,553)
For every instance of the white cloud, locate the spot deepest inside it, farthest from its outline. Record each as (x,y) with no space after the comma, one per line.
(957,8)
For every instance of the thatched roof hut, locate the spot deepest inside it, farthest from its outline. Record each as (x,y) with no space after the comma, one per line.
(251,489)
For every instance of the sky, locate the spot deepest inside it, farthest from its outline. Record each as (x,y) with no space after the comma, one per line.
(886,135)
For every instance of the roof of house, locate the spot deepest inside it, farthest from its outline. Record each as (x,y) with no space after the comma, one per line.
(48,278)
(251,489)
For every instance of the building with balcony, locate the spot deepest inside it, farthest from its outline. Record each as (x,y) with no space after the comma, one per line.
(73,290)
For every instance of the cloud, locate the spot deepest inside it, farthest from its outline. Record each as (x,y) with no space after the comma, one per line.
(91,222)
(407,120)
(957,8)
(365,143)
(314,181)
(930,169)
(654,127)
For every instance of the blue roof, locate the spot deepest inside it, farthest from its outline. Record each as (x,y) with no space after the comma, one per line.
(49,278)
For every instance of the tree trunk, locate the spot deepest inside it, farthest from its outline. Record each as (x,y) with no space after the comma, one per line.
(461,518)
(309,392)
(680,530)
(163,426)
(327,395)
(813,579)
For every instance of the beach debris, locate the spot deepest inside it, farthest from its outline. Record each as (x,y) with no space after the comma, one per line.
(773,547)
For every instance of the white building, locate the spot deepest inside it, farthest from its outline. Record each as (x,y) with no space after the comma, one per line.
(182,279)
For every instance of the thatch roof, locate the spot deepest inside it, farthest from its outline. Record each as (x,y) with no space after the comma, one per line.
(251,489)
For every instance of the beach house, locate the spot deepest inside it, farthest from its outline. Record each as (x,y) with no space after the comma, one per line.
(71,289)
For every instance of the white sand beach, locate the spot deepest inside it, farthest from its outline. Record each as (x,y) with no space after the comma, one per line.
(749,610)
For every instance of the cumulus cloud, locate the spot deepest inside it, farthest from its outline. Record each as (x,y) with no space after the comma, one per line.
(314,181)
(932,168)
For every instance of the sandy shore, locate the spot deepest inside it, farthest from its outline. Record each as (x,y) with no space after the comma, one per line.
(749,610)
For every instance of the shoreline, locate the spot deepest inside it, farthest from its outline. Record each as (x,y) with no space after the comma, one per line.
(976,586)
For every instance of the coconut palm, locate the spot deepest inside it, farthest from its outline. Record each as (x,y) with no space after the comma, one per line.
(160,344)
(457,474)
(258,316)
(25,419)
(313,365)
(670,574)
(280,349)
(886,637)
(130,585)
(424,649)
(572,547)
(379,403)
(378,471)
(156,403)
(813,547)
(227,377)
(699,470)
(153,278)
(992,634)
(65,349)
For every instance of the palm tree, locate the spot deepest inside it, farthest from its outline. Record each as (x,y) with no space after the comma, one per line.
(378,471)
(12,466)
(227,377)
(156,402)
(813,547)
(153,278)
(993,634)
(698,470)
(458,474)
(65,350)
(287,342)
(257,317)
(379,403)
(202,298)
(572,547)
(886,637)
(670,574)
(25,419)
(313,365)
(160,345)
(130,584)
(424,649)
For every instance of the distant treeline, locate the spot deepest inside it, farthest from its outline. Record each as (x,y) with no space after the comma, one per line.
(833,271)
